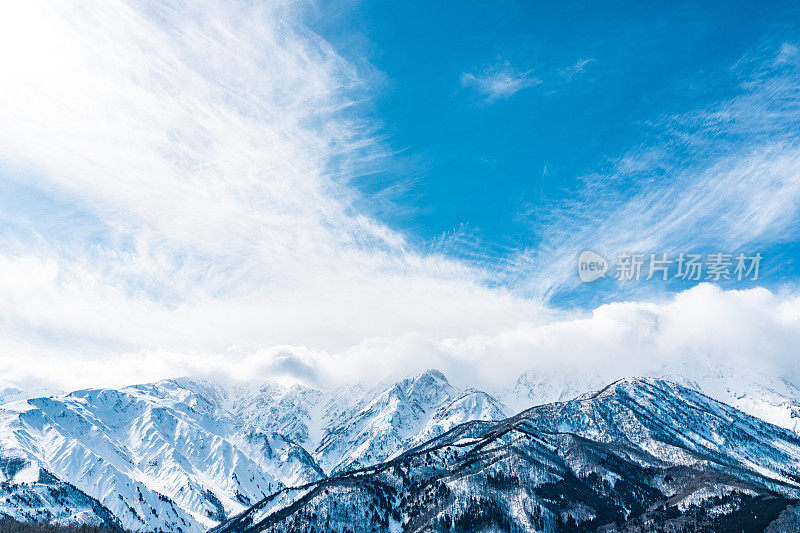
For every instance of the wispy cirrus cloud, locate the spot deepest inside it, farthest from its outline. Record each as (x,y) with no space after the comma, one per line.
(498,81)
(177,177)
(578,68)
(176,197)
(723,177)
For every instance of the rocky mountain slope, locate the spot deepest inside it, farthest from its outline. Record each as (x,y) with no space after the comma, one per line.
(183,455)
(639,455)
(186,455)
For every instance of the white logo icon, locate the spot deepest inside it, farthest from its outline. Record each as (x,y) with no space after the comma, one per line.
(591,266)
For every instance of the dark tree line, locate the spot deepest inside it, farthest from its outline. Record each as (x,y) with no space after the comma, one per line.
(9,525)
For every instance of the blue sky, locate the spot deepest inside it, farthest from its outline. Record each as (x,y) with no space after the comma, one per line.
(585,86)
(330,192)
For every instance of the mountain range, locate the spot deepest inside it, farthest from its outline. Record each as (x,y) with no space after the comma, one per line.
(417,453)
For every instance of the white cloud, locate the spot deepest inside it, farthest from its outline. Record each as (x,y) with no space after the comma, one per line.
(182,205)
(788,54)
(699,328)
(725,177)
(180,184)
(703,325)
(498,81)
(578,68)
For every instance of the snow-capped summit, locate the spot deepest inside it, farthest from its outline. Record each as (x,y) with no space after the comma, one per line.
(406,413)
(669,421)
(290,411)
(159,456)
(769,398)
(775,400)
(637,455)
(185,454)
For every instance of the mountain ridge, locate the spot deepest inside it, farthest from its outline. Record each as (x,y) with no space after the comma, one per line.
(573,480)
(185,455)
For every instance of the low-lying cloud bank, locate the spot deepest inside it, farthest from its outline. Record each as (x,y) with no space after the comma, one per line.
(754,329)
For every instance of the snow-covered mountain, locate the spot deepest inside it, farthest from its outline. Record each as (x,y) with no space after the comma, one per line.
(32,495)
(12,394)
(182,455)
(407,413)
(639,455)
(185,455)
(773,399)
(161,456)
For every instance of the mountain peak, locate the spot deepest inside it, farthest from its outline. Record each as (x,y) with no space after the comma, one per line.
(221,448)
(431,374)
(640,385)
(639,452)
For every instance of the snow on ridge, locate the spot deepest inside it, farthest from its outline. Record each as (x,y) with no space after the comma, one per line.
(187,453)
